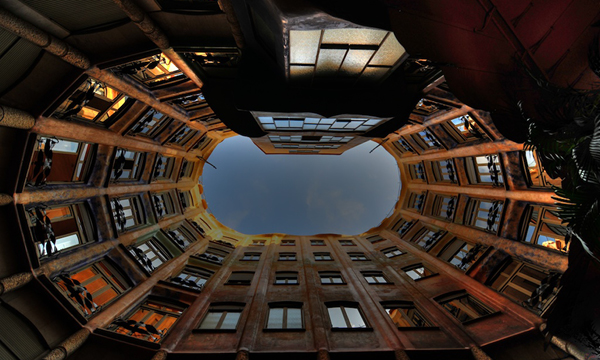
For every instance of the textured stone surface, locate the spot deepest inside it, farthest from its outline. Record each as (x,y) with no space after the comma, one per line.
(5,199)
(161,355)
(401,355)
(16,119)
(479,354)
(14,282)
(323,355)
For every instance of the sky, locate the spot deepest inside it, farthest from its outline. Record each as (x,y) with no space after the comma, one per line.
(255,193)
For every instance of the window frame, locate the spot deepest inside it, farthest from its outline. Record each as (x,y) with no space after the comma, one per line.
(374,275)
(445,299)
(331,275)
(286,276)
(287,256)
(358,256)
(156,248)
(322,256)
(224,309)
(251,256)
(245,278)
(343,305)
(392,250)
(135,166)
(414,269)
(474,209)
(406,315)
(285,320)
(138,214)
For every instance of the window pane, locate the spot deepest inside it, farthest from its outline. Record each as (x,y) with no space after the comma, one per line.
(275,318)
(231,320)
(356,321)
(294,318)
(211,320)
(336,317)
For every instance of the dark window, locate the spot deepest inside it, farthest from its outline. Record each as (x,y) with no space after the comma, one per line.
(358,256)
(251,256)
(222,317)
(182,136)
(375,239)
(322,256)
(461,253)
(128,165)
(286,278)
(344,242)
(150,254)
(317,242)
(150,124)
(182,236)
(163,168)
(192,277)
(287,256)
(392,252)
(240,278)
(464,307)
(163,204)
(427,238)
(288,242)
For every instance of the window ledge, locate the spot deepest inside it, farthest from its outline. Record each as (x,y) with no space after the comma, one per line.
(287,284)
(201,331)
(427,277)
(127,339)
(352,329)
(418,328)
(484,317)
(283,330)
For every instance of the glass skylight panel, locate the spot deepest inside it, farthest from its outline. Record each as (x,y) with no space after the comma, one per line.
(312,123)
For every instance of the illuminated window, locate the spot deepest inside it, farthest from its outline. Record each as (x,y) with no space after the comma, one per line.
(163,204)
(163,168)
(444,171)
(484,169)
(286,278)
(128,165)
(59,161)
(240,278)
(192,277)
(405,314)
(345,242)
(287,256)
(358,256)
(375,277)
(127,213)
(251,256)
(153,71)
(392,252)
(222,316)
(322,256)
(484,214)
(465,128)
(331,277)
(94,101)
(288,242)
(286,315)
(345,315)
(60,228)
(91,288)
(315,242)
(151,321)
(418,272)
(544,229)
(150,124)
(537,177)
(150,254)
(464,307)
(366,55)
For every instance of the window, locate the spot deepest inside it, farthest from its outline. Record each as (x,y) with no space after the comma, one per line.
(127,213)
(128,165)
(344,242)
(163,168)
(182,136)
(285,316)
(418,272)
(427,238)
(357,256)
(258,242)
(374,239)
(240,278)
(405,314)
(322,256)
(417,172)
(484,169)
(392,252)
(202,143)
(213,255)
(426,140)
(273,122)
(190,101)
(192,277)
(92,287)
(151,321)
(464,307)
(318,141)
(331,277)
(152,72)
(287,256)
(537,176)
(429,107)
(150,254)
(288,242)
(222,316)
(403,146)
(416,201)
(527,284)
(544,229)
(187,168)
(444,207)
(375,277)
(163,204)
(60,228)
(403,226)
(444,171)
(317,243)
(182,236)
(345,315)
(484,214)
(286,278)
(186,199)
(150,124)
(59,161)
(464,129)
(251,256)
(94,101)
(461,253)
